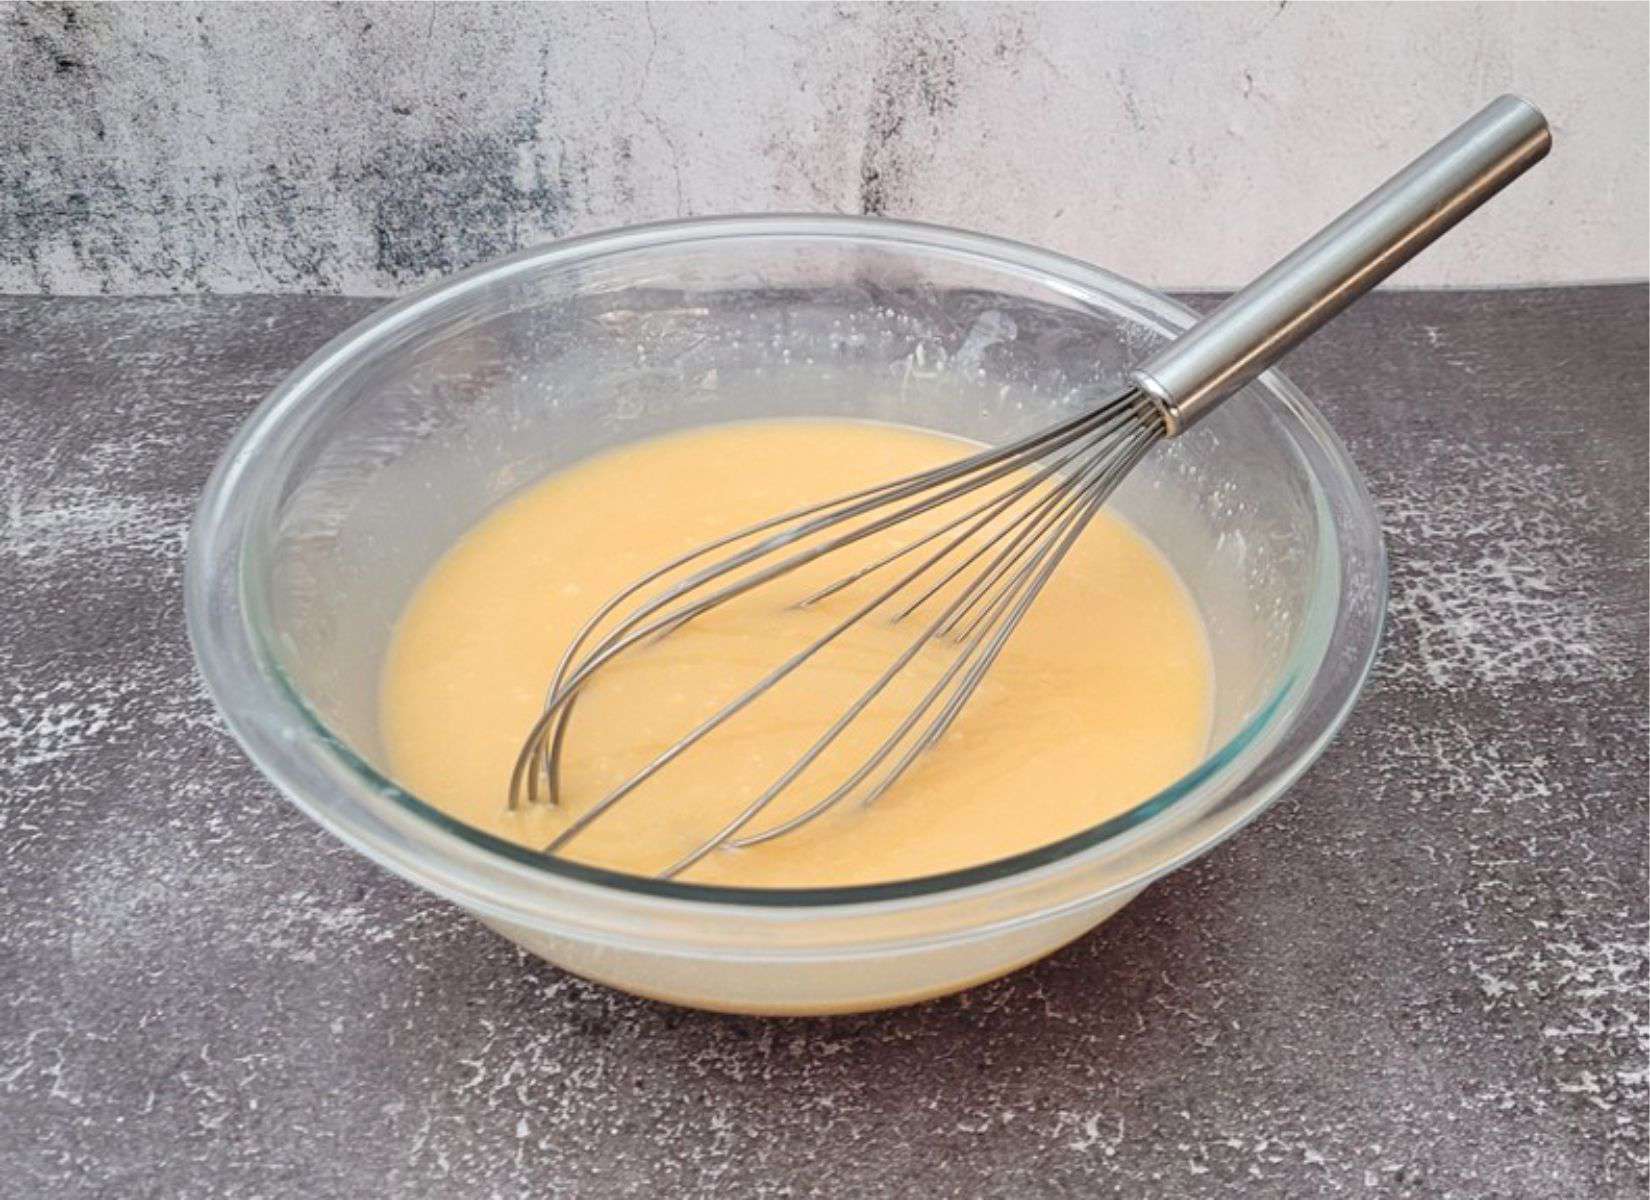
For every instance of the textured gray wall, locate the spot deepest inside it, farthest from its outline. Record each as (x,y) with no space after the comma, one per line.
(311,148)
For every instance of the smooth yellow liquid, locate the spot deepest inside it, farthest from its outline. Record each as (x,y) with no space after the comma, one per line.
(1100,698)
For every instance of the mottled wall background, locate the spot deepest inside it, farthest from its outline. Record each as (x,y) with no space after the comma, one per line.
(360,149)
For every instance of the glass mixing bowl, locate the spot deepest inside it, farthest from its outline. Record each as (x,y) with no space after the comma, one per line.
(371,458)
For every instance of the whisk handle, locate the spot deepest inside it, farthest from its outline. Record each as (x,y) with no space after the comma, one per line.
(1368,242)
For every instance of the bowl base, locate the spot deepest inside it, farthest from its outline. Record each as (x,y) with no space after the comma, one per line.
(848,983)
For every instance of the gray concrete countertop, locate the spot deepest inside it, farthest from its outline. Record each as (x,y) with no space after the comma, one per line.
(1423,973)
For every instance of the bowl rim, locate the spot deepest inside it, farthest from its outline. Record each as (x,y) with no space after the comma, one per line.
(230,496)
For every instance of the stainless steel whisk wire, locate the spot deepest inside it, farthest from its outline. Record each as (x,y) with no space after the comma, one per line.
(1054,483)
(1045,530)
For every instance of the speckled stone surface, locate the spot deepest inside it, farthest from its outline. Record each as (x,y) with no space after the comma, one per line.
(1421,974)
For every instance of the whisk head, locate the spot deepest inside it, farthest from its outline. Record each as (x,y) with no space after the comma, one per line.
(974,542)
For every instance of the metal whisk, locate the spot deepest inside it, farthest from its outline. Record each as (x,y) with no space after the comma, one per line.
(1007,515)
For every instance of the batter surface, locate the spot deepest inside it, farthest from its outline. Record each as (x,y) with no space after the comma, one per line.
(1101,698)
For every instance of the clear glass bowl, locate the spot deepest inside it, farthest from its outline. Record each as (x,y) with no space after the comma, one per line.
(371,458)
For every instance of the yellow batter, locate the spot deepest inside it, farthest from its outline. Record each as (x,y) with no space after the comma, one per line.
(1101,698)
